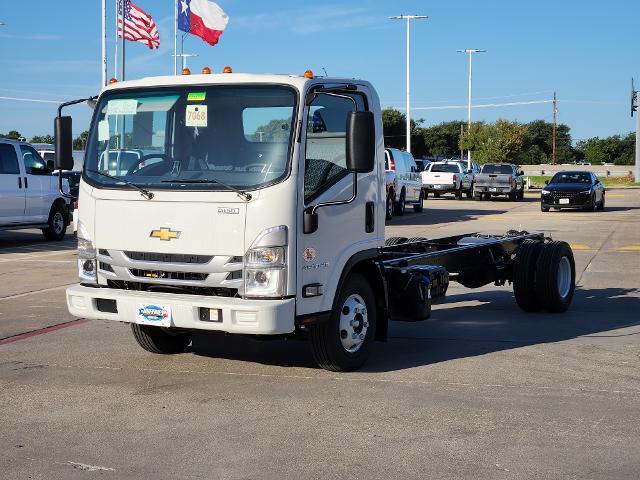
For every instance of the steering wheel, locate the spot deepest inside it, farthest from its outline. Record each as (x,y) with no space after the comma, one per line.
(144,158)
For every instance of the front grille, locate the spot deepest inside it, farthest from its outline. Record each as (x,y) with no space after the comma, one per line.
(164,275)
(186,290)
(565,194)
(168,257)
(105,267)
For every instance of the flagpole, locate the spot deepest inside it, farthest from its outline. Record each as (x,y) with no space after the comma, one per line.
(122,71)
(104,43)
(115,59)
(175,37)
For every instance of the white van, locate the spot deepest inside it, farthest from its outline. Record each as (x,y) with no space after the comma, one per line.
(29,196)
(404,185)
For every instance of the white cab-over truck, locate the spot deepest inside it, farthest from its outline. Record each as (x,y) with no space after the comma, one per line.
(255,205)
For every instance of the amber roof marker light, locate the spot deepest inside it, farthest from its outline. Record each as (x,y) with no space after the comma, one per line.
(227,69)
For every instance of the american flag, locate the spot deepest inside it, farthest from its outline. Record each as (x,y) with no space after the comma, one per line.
(138,25)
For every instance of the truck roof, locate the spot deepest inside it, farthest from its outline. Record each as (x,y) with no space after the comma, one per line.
(297,81)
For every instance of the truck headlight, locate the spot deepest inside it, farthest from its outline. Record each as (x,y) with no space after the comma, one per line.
(87,267)
(545,192)
(585,192)
(265,272)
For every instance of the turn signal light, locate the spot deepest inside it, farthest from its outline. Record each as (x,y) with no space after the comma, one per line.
(308,74)
(227,69)
(186,71)
(206,71)
(112,81)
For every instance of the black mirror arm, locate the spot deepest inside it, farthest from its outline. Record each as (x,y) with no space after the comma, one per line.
(62,192)
(74,102)
(311,211)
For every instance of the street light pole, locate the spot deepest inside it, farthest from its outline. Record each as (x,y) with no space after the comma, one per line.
(470,52)
(408,18)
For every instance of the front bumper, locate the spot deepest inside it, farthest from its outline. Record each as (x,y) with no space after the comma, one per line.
(253,317)
(578,201)
(493,190)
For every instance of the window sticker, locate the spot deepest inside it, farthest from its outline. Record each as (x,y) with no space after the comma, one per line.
(196,116)
(122,107)
(103,130)
(196,96)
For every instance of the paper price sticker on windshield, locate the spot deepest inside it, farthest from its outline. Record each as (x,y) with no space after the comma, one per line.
(196,116)
(122,107)
(103,130)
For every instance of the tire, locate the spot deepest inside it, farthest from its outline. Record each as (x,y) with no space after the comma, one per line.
(333,345)
(57,223)
(543,208)
(513,196)
(487,196)
(592,206)
(160,340)
(601,204)
(391,241)
(469,194)
(555,277)
(389,209)
(524,275)
(477,195)
(458,194)
(399,206)
(419,207)
(521,195)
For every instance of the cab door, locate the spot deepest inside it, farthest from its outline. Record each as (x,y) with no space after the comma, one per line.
(12,194)
(344,229)
(37,185)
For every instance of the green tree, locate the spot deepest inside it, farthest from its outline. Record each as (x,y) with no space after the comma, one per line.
(81,142)
(274,131)
(538,147)
(394,124)
(442,139)
(12,135)
(42,139)
(613,149)
(498,142)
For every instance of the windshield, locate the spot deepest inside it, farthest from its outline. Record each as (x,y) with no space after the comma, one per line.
(239,136)
(571,178)
(445,167)
(503,169)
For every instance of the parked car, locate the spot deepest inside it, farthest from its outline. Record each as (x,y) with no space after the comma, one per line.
(497,179)
(447,177)
(29,196)
(577,190)
(403,182)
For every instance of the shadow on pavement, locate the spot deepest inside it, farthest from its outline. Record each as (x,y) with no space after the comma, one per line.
(492,323)
(32,241)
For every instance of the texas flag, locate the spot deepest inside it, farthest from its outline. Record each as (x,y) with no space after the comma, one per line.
(202,18)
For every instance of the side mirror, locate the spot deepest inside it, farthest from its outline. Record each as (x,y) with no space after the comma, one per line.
(361,142)
(546,182)
(521,172)
(63,143)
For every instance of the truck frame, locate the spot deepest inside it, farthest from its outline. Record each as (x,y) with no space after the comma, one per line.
(266,225)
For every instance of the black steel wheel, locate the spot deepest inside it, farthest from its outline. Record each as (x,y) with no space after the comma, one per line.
(524,275)
(555,277)
(344,342)
(161,340)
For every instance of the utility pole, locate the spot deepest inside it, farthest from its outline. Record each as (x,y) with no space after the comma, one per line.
(555,127)
(470,52)
(635,107)
(408,18)
(461,135)
(121,20)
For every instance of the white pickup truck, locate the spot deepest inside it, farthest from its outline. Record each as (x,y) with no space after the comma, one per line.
(447,177)
(257,207)
(29,196)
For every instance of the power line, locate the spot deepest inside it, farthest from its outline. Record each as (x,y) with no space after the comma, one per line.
(34,100)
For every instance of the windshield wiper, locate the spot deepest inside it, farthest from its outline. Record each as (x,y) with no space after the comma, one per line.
(245,195)
(143,191)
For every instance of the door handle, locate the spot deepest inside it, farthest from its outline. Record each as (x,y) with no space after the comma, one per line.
(26,184)
(19,182)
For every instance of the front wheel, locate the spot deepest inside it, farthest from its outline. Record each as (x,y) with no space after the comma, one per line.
(399,206)
(543,208)
(160,340)
(601,204)
(57,223)
(343,343)
(418,207)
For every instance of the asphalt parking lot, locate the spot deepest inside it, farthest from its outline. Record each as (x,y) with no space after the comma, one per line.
(481,390)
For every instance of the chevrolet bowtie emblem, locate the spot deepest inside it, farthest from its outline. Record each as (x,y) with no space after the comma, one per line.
(165,234)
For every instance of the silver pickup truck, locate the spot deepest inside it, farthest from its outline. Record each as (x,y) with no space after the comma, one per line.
(499,179)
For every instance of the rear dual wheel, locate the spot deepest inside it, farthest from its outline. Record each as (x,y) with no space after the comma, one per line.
(544,276)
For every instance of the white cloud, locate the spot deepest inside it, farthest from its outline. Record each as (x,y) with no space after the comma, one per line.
(40,37)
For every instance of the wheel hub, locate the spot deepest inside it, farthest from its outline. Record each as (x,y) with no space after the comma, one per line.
(354,323)
(58,222)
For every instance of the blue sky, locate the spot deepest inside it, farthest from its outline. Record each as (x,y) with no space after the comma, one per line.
(585,50)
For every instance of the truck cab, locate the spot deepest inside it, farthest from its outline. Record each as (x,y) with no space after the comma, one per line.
(252,218)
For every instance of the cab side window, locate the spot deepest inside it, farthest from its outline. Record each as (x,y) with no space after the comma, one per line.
(33,162)
(325,157)
(8,160)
